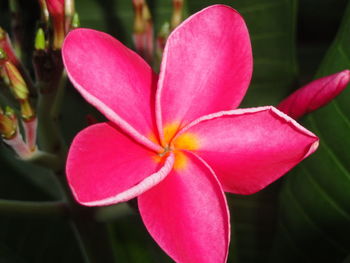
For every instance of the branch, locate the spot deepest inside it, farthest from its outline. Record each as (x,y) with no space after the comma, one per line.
(54,209)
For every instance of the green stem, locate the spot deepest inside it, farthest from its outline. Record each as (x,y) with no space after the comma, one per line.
(56,107)
(47,160)
(51,84)
(51,139)
(112,213)
(93,236)
(54,209)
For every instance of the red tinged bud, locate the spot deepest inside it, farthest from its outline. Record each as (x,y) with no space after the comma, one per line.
(8,123)
(56,11)
(7,51)
(177,15)
(143,30)
(315,94)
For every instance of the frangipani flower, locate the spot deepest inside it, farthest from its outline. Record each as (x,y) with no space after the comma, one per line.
(176,141)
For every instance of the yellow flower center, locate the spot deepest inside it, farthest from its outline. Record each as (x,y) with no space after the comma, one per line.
(184,141)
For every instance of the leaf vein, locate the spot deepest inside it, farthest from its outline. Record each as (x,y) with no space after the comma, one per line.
(311,222)
(329,150)
(341,113)
(325,194)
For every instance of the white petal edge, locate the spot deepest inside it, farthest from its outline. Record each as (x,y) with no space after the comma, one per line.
(272,109)
(113,116)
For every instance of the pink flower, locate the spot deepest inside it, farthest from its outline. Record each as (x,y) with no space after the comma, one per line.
(176,141)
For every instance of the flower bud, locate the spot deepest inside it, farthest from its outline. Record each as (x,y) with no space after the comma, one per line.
(10,112)
(143,30)
(69,8)
(8,123)
(139,26)
(56,11)
(69,12)
(177,15)
(40,42)
(17,83)
(3,55)
(3,75)
(44,11)
(55,7)
(10,133)
(27,112)
(20,90)
(315,94)
(75,21)
(6,47)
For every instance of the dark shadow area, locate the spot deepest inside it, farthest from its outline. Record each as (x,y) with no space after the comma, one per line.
(113,23)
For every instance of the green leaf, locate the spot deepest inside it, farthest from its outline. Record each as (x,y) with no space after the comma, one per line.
(133,243)
(40,241)
(315,207)
(29,240)
(9,256)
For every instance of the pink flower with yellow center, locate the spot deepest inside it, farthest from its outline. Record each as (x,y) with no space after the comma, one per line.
(175,140)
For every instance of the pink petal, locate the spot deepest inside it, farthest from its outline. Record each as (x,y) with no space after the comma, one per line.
(106,167)
(114,79)
(187,214)
(206,67)
(250,148)
(315,94)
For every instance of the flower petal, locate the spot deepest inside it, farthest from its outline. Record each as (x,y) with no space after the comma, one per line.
(106,167)
(187,214)
(250,148)
(114,79)
(315,94)
(206,67)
